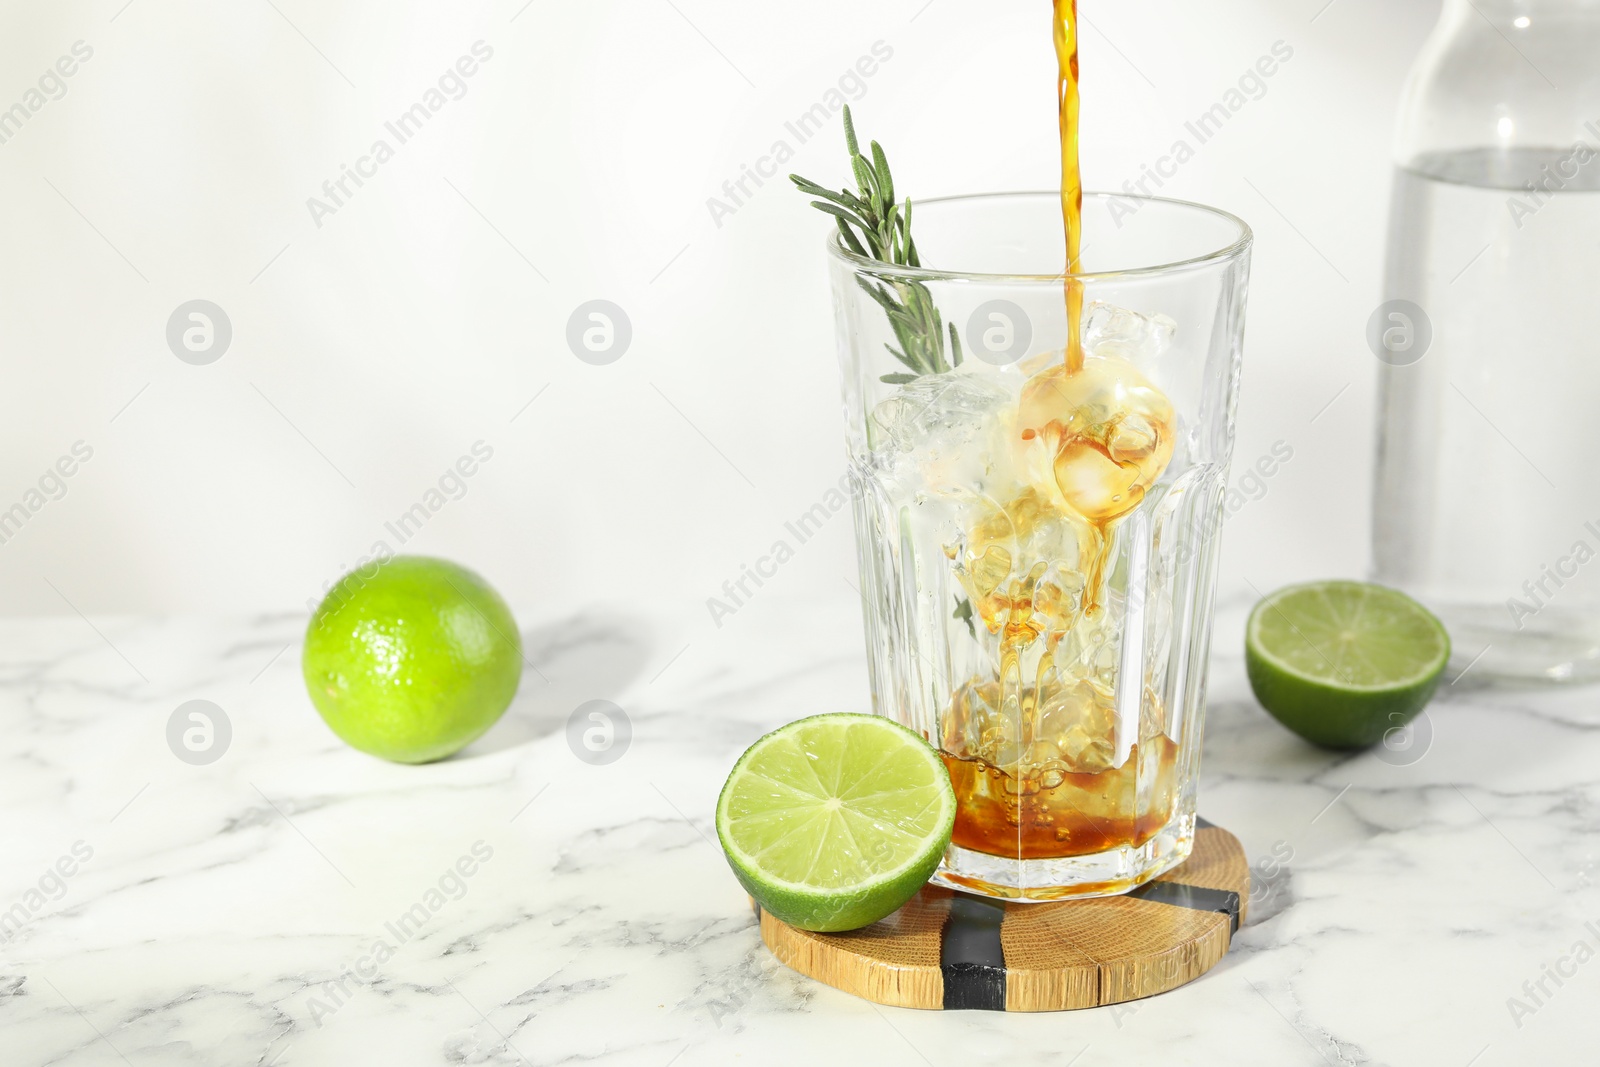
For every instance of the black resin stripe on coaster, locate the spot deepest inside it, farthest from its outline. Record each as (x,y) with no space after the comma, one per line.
(971,957)
(1197,898)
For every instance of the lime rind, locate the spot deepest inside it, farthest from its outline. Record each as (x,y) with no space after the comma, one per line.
(1386,620)
(944,798)
(833,822)
(1344,664)
(413,661)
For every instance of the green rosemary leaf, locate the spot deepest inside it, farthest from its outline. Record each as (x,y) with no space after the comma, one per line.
(865,179)
(873,225)
(907,329)
(910,352)
(809,187)
(917,299)
(908,246)
(839,212)
(813,189)
(937,330)
(880,164)
(891,228)
(849,239)
(843,197)
(903,358)
(881,295)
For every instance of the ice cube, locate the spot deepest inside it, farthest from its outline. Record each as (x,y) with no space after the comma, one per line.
(1087,752)
(1080,721)
(1152,717)
(1029,529)
(1109,330)
(974,723)
(939,413)
(1104,430)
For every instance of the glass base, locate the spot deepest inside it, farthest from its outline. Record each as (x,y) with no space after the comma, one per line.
(1558,647)
(1101,874)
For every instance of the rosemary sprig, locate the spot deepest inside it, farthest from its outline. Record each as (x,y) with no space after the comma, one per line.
(872,224)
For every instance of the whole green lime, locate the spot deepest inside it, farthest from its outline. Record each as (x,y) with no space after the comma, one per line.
(412,659)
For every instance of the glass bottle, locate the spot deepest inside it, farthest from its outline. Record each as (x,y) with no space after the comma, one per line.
(1487,497)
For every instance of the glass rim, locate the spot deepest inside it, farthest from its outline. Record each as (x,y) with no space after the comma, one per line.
(1244,238)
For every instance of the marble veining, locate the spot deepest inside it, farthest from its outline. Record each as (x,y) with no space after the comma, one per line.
(298,903)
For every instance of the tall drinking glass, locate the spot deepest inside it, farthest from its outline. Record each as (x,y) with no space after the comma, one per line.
(1037,542)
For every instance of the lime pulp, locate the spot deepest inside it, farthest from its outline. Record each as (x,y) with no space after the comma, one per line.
(835,821)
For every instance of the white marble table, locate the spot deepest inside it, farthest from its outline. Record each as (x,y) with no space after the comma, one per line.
(211,911)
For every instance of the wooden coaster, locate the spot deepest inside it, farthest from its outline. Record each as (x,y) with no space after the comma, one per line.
(952,950)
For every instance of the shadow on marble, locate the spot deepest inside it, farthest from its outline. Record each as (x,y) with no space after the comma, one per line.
(1243,742)
(582,657)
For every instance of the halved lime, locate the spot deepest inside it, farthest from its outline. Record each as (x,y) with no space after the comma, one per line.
(1343,663)
(833,822)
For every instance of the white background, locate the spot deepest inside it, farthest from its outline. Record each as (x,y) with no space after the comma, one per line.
(371,352)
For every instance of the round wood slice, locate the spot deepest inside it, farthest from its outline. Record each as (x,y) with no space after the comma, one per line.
(951,950)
